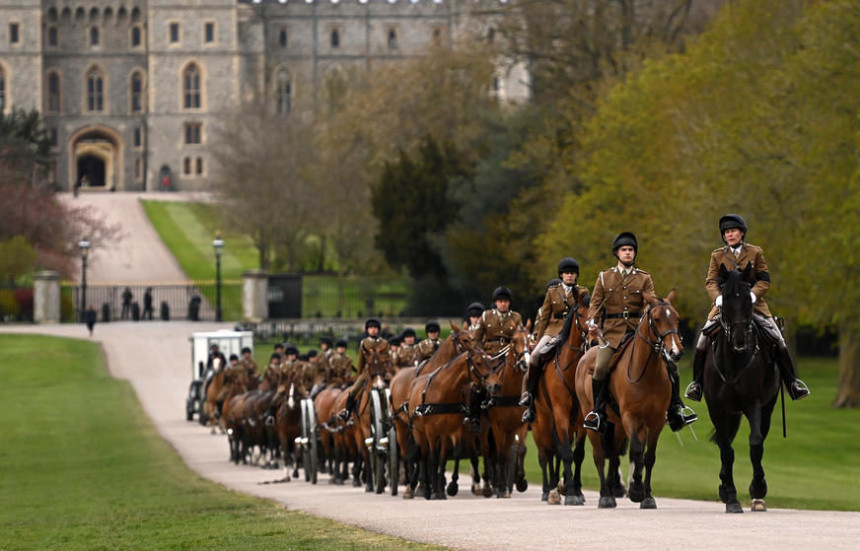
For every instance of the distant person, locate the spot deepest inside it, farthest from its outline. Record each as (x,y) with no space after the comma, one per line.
(147,303)
(90,319)
(126,303)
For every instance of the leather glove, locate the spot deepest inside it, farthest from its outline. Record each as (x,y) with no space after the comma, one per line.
(753,297)
(718,302)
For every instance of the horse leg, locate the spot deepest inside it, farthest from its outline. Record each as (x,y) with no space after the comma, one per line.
(453,488)
(578,458)
(607,499)
(636,492)
(726,427)
(759,427)
(650,460)
(544,464)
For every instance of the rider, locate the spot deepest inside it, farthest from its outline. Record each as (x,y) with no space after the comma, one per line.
(735,255)
(249,364)
(474,312)
(406,354)
(540,321)
(425,349)
(494,332)
(371,344)
(341,364)
(621,294)
(559,300)
(320,366)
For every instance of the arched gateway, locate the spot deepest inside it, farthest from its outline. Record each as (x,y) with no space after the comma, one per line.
(96,155)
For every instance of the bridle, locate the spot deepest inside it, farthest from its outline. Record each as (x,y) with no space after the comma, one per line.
(657,346)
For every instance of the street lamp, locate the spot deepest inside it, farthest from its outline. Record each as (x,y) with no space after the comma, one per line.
(218,245)
(84,246)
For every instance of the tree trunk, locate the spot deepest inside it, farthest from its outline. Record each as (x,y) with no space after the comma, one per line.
(848,393)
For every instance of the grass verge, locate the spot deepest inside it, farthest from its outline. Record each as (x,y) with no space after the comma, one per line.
(83,469)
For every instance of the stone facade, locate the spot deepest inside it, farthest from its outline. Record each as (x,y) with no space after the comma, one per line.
(131,89)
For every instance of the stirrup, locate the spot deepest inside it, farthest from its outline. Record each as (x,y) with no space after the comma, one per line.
(798,390)
(526,399)
(693,391)
(343,414)
(593,422)
(270,420)
(681,417)
(528,416)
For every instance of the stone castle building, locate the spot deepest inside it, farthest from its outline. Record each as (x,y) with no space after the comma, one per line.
(130,89)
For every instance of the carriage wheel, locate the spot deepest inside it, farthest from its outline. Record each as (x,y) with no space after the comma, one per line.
(377,431)
(313,442)
(393,460)
(306,456)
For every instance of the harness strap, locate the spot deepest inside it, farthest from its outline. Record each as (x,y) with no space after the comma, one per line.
(438,409)
(501,402)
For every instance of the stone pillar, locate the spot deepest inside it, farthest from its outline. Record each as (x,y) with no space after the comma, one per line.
(255,295)
(46,297)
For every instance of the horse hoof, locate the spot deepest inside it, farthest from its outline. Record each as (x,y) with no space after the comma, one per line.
(562,489)
(606,502)
(544,496)
(356,483)
(734,507)
(419,492)
(407,494)
(452,489)
(574,500)
(487,492)
(522,485)
(648,503)
(553,498)
(438,496)
(636,492)
(758,505)
(476,489)
(504,495)
(620,491)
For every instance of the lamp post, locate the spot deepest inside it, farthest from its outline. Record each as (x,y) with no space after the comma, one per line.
(84,246)
(218,245)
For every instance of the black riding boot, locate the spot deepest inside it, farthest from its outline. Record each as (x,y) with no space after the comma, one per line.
(219,408)
(797,389)
(473,419)
(596,419)
(694,389)
(270,414)
(531,391)
(345,413)
(677,415)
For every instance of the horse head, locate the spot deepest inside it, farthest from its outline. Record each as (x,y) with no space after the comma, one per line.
(461,338)
(663,321)
(516,357)
(736,313)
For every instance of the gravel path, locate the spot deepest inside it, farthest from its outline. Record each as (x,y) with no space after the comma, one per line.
(155,358)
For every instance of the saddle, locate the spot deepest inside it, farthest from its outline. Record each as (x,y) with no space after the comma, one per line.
(767,341)
(625,342)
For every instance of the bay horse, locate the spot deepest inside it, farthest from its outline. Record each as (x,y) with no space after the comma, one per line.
(212,390)
(437,409)
(380,368)
(455,343)
(640,385)
(505,434)
(558,419)
(739,379)
(288,423)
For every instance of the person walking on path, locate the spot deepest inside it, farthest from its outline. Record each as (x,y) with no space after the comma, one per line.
(126,303)
(90,319)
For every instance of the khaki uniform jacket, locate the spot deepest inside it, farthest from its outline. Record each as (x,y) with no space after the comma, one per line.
(556,305)
(250,367)
(366,348)
(406,355)
(340,367)
(425,349)
(759,276)
(615,297)
(495,329)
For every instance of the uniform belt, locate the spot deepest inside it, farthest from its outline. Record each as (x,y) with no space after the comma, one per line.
(502,340)
(560,316)
(624,315)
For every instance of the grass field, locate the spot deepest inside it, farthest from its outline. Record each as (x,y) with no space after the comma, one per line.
(816,467)
(83,469)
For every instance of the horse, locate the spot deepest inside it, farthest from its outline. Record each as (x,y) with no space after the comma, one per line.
(379,367)
(558,420)
(326,421)
(642,390)
(437,409)
(212,390)
(456,342)
(739,379)
(506,427)
(288,423)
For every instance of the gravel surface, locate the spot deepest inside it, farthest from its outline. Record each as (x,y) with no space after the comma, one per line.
(155,358)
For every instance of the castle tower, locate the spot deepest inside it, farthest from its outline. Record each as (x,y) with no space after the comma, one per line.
(20,55)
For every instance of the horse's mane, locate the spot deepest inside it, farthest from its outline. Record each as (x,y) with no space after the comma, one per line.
(732,282)
(571,316)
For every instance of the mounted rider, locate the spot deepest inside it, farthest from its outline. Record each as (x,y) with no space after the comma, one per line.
(249,364)
(473,314)
(425,349)
(370,345)
(559,300)
(540,322)
(319,366)
(340,364)
(494,332)
(735,255)
(621,295)
(406,354)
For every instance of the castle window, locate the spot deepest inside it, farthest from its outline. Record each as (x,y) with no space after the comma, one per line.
(174,33)
(193,131)
(209,32)
(199,165)
(53,93)
(95,90)
(138,136)
(136,92)
(282,38)
(191,87)
(53,135)
(14,34)
(186,166)
(392,39)
(335,38)
(53,36)
(94,36)
(284,93)
(135,36)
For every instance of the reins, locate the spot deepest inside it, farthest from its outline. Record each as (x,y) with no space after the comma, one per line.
(656,347)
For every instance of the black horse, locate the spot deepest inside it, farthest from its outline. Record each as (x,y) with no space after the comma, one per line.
(740,378)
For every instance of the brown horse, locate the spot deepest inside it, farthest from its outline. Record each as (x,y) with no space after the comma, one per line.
(558,422)
(326,421)
(288,424)
(505,434)
(456,342)
(380,368)
(212,389)
(437,409)
(641,388)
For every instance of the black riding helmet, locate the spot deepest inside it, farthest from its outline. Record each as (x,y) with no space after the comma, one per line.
(625,239)
(234,357)
(394,340)
(432,326)
(568,264)
(341,343)
(291,349)
(408,332)
(326,340)
(502,292)
(246,349)
(475,309)
(372,322)
(730,221)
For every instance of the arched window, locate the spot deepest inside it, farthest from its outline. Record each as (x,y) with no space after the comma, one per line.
(2,89)
(191,87)
(283,93)
(282,38)
(53,93)
(135,36)
(392,39)
(53,36)
(94,36)
(335,38)
(95,90)
(136,92)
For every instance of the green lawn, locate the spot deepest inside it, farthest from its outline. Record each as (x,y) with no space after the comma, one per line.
(83,469)
(816,467)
